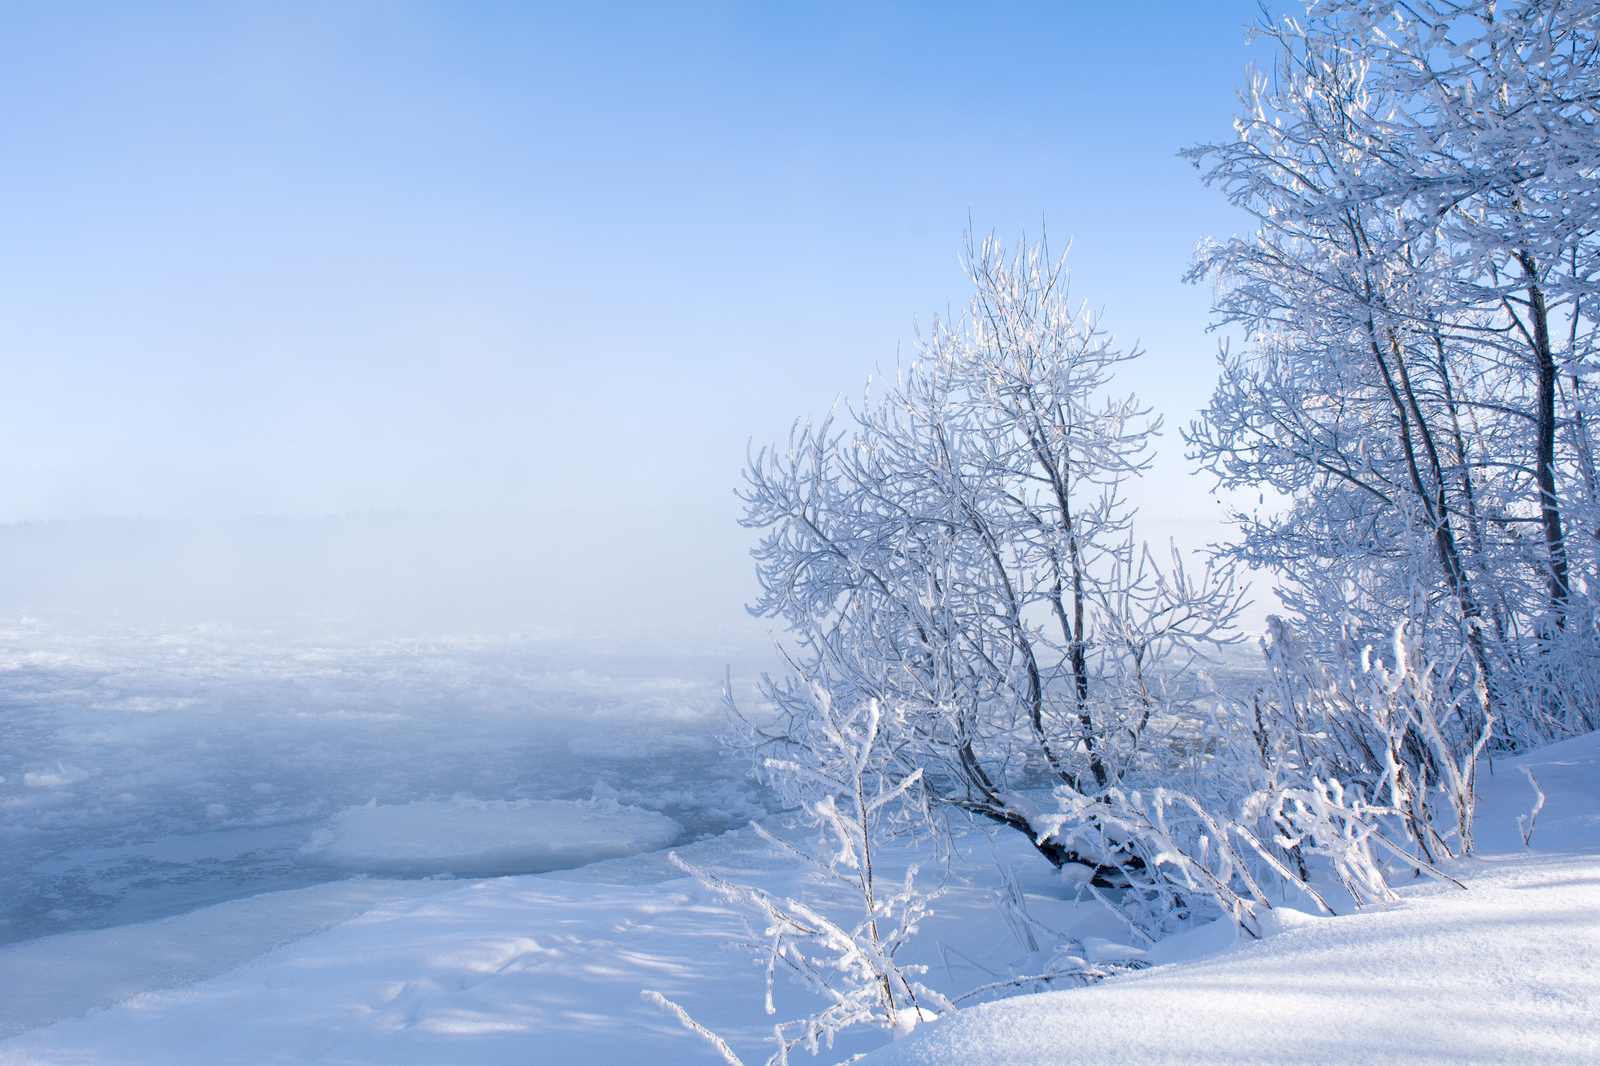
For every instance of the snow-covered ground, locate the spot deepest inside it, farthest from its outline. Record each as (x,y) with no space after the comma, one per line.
(549,967)
(1506,971)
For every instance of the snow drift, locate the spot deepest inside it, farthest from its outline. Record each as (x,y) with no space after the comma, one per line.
(1502,972)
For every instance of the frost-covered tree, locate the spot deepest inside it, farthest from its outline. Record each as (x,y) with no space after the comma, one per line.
(1418,311)
(961,552)
(1423,177)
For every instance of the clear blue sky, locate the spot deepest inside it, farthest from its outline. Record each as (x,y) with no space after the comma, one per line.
(302,258)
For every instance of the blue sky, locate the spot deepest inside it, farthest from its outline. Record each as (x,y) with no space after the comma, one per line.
(564,260)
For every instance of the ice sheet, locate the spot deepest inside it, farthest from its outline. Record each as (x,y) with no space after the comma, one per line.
(545,968)
(481,839)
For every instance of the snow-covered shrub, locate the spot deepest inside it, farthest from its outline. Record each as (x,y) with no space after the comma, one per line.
(1172,855)
(844,782)
(1403,722)
(1343,765)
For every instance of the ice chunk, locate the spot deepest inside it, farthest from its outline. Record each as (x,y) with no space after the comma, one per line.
(61,775)
(479,839)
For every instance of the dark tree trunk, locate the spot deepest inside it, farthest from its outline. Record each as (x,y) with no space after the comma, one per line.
(1549,508)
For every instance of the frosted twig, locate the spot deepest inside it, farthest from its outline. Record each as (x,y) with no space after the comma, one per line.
(1014,982)
(1525,822)
(693,1026)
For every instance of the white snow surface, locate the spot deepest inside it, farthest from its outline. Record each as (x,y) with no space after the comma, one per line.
(72,974)
(548,968)
(1503,973)
(1507,971)
(477,838)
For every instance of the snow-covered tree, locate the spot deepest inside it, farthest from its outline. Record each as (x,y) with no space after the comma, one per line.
(956,553)
(1423,177)
(1418,310)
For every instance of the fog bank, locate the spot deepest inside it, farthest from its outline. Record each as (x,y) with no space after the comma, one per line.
(588,573)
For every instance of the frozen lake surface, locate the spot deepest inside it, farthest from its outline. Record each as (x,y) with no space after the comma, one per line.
(149,769)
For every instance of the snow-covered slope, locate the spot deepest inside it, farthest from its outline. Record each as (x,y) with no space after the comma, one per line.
(1507,971)
(508,970)
(548,969)
(73,974)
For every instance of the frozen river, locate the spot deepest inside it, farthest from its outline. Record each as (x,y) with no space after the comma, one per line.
(148,769)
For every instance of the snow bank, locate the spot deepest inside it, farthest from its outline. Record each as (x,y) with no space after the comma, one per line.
(72,974)
(1504,972)
(511,970)
(473,838)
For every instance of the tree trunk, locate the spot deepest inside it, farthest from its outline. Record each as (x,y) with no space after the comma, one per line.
(1545,414)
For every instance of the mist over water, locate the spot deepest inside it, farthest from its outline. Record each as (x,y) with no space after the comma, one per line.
(184,702)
